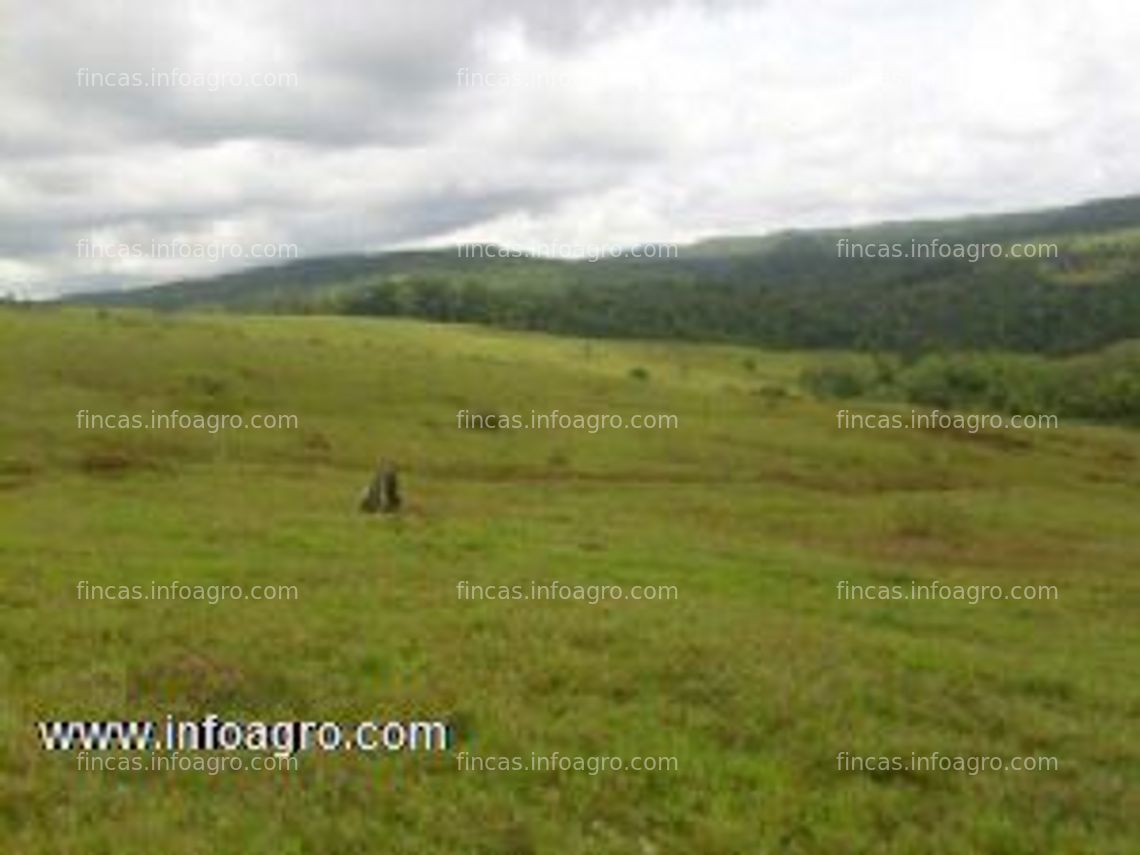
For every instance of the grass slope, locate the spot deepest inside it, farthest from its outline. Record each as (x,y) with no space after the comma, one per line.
(755,678)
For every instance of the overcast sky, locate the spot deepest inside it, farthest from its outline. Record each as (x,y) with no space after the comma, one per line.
(580,123)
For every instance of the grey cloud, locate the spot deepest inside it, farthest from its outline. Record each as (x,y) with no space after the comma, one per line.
(671,119)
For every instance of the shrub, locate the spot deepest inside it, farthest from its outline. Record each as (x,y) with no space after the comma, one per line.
(838,380)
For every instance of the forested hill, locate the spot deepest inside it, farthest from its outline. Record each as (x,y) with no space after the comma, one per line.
(804,289)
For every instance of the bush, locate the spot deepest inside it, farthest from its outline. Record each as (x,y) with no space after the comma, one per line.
(839,380)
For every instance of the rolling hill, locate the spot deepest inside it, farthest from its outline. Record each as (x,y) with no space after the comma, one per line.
(791,290)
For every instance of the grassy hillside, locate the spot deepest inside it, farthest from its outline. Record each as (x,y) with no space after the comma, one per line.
(754,678)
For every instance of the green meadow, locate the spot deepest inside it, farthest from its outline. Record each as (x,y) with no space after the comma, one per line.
(755,677)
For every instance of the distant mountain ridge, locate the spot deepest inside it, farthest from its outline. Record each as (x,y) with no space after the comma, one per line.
(786,289)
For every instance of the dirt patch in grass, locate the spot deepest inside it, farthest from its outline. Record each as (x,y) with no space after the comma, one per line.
(115,461)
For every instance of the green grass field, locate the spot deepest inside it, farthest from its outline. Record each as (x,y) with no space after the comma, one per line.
(754,678)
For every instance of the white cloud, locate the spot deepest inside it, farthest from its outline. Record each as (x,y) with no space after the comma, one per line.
(618,123)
